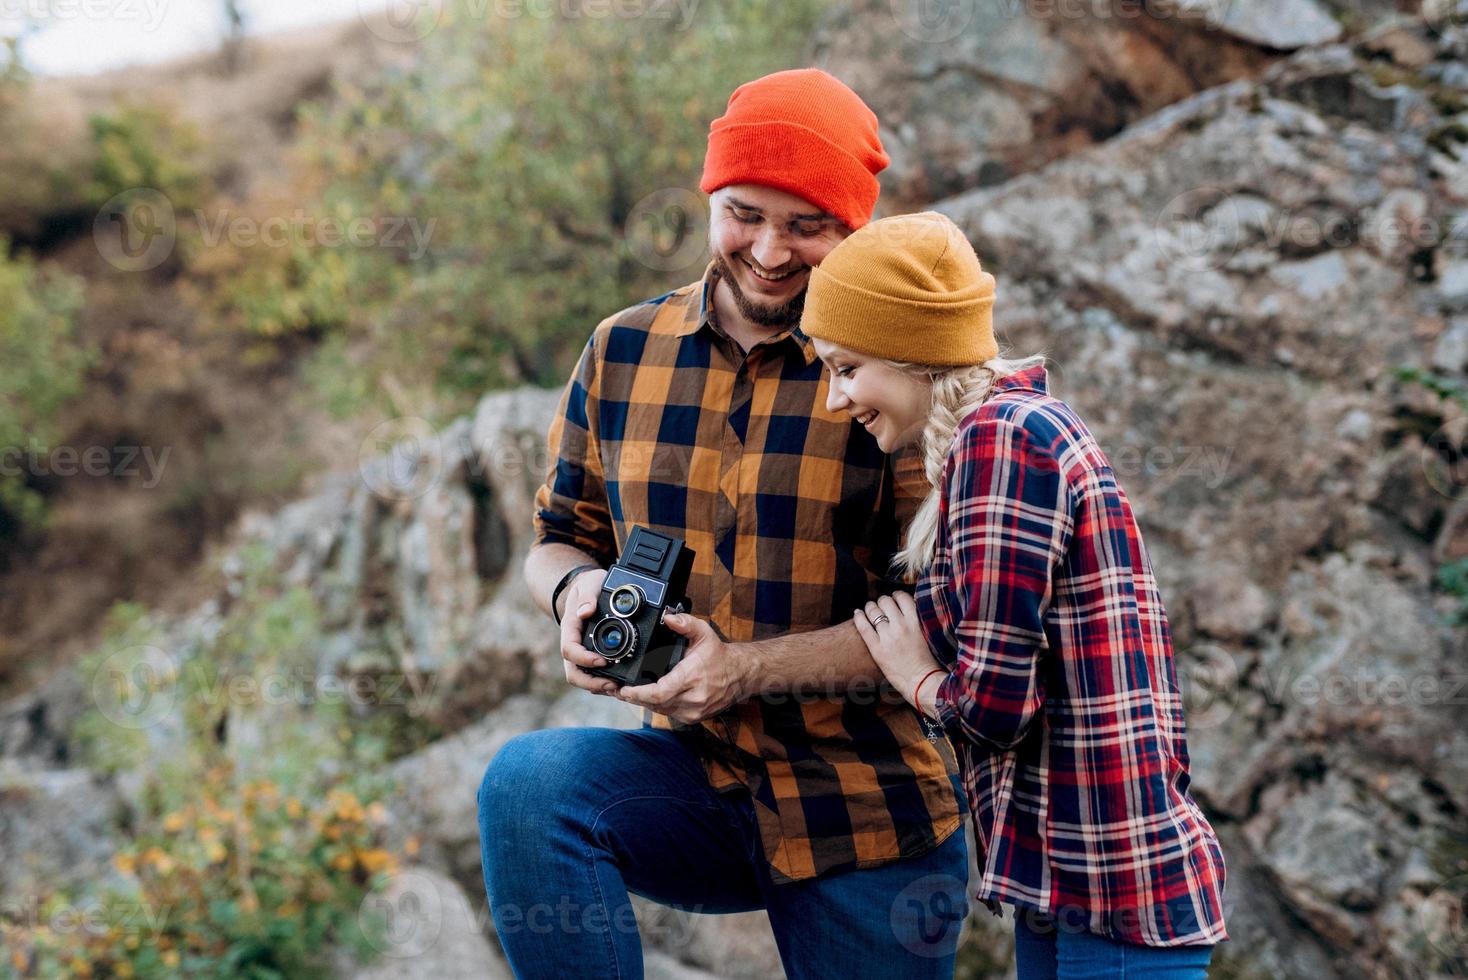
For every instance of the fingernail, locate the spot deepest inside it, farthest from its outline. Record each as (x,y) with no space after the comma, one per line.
(601,661)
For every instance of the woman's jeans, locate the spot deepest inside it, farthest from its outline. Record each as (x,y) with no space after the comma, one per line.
(572,819)
(1044,952)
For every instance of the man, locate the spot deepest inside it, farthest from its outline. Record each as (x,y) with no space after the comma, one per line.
(773,775)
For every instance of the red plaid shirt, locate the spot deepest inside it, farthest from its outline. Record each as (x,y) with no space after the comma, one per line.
(1061,694)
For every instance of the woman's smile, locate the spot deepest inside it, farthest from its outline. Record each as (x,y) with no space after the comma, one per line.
(891,404)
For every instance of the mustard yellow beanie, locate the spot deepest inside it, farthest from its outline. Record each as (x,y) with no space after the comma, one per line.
(907,288)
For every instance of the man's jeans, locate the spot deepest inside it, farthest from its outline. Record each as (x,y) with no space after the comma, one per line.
(572,819)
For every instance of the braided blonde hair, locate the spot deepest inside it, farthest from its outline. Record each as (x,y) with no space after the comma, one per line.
(957,391)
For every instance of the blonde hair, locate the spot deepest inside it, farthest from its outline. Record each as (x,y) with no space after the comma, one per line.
(957,391)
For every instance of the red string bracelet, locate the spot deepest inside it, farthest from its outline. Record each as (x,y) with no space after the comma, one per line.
(917,701)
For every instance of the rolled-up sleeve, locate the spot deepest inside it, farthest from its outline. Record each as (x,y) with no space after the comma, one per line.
(571,506)
(1010,523)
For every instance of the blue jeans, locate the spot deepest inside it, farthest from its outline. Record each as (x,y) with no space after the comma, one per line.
(572,819)
(1044,952)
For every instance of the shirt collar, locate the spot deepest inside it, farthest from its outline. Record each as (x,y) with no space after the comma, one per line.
(1030,379)
(705,319)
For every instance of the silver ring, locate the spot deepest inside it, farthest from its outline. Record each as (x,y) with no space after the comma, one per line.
(881,619)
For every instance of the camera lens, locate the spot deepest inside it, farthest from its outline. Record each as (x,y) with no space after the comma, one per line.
(625,600)
(613,638)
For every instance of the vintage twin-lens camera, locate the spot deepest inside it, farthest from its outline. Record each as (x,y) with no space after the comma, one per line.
(650,577)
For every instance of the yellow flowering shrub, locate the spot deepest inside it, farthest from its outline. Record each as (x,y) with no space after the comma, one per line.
(248,859)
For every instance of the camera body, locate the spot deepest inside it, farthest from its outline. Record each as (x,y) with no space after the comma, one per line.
(649,578)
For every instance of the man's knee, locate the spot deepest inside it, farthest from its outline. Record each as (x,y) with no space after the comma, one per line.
(515,772)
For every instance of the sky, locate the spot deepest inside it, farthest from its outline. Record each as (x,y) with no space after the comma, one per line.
(81,36)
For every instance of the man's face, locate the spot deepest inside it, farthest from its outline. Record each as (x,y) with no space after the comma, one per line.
(765,242)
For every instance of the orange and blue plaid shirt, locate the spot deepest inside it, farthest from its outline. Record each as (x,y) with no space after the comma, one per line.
(1061,694)
(793,513)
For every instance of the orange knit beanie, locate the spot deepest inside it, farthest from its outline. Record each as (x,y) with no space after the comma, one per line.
(801,131)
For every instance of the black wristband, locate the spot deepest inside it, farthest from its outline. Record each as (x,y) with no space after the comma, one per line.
(561,587)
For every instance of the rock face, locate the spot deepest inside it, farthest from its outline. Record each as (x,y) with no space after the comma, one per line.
(972,93)
(1283,24)
(56,827)
(432,930)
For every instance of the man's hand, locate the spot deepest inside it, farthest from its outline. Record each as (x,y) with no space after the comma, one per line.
(894,637)
(710,677)
(580,599)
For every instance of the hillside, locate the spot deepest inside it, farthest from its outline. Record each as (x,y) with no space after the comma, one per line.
(194,430)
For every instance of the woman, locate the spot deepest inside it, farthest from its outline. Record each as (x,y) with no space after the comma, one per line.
(1036,636)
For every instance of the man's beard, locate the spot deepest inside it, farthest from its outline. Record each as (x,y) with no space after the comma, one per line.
(785,315)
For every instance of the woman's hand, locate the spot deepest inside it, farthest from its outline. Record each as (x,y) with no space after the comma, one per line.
(894,636)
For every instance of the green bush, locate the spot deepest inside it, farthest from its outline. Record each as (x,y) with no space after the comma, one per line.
(147,146)
(41,368)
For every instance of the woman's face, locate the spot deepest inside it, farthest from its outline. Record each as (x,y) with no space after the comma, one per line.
(893,405)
